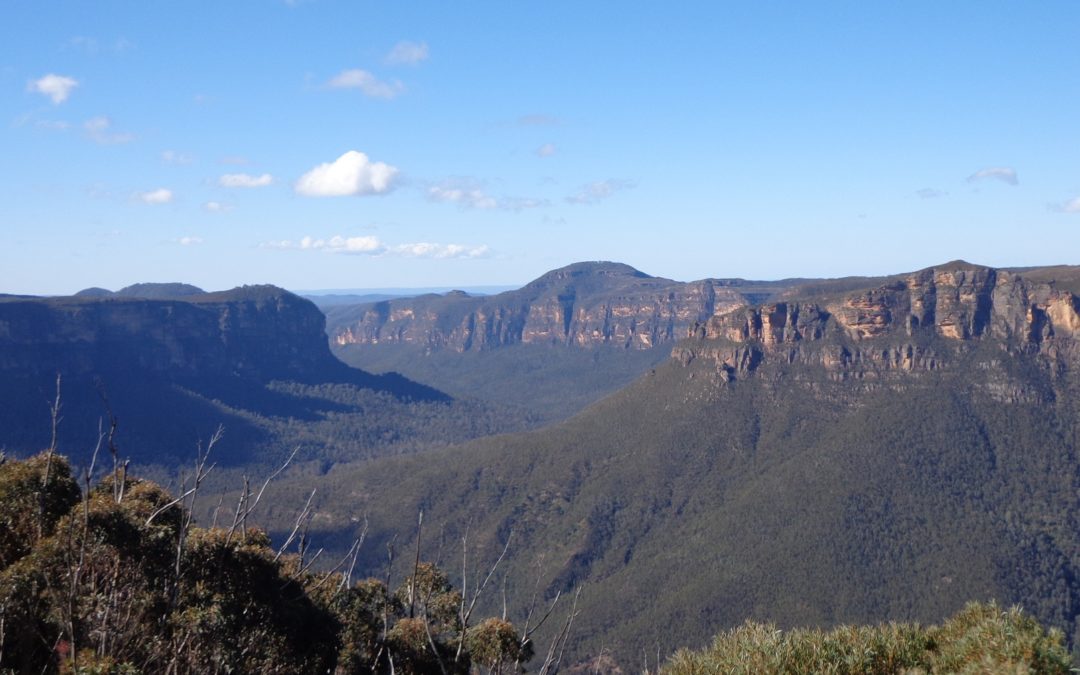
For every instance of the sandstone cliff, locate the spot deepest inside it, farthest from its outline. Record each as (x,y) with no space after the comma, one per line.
(927,320)
(584,304)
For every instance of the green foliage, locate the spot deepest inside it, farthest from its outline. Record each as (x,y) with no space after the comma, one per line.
(980,639)
(34,494)
(119,582)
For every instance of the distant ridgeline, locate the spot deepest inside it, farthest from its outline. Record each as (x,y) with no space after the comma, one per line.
(584,304)
(853,450)
(172,362)
(553,346)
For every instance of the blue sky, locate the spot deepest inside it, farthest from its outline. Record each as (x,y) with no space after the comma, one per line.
(320,144)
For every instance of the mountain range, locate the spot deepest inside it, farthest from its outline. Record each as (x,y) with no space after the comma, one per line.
(807,452)
(848,451)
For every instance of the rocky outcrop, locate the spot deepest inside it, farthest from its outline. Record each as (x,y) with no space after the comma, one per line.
(917,322)
(584,305)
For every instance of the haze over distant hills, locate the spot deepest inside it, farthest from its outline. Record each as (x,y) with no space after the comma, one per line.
(849,451)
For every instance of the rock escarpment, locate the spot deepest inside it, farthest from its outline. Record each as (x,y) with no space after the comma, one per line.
(260,332)
(584,305)
(922,321)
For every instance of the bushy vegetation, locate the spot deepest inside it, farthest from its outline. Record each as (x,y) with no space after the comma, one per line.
(982,638)
(114,578)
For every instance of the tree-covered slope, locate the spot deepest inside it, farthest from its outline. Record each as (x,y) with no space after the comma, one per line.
(889,452)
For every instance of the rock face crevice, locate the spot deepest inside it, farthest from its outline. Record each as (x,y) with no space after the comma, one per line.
(920,322)
(582,305)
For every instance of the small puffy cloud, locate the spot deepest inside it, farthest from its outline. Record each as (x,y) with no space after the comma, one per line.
(366,83)
(598,191)
(175,158)
(158,196)
(99,130)
(1001,173)
(407,53)
(189,241)
(546,150)
(930,193)
(351,174)
(56,87)
(244,180)
(216,207)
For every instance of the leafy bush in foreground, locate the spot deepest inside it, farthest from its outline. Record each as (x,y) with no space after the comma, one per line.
(982,638)
(115,579)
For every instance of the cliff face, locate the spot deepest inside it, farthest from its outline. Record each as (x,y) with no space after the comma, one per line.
(923,321)
(258,332)
(583,305)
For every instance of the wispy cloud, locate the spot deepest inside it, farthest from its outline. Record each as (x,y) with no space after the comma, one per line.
(469,194)
(158,196)
(99,130)
(367,83)
(597,191)
(189,241)
(440,251)
(174,158)
(538,120)
(351,174)
(234,160)
(372,246)
(244,180)
(337,244)
(57,87)
(93,46)
(1071,206)
(546,150)
(1001,173)
(930,193)
(407,53)
(216,207)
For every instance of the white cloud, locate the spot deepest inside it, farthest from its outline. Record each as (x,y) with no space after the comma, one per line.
(372,246)
(469,195)
(464,195)
(98,129)
(1071,206)
(351,174)
(546,150)
(158,196)
(367,83)
(1001,173)
(407,53)
(175,158)
(189,241)
(440,251)
(244,180)
(367,245)
(56,87)
(216,207)
(599,190)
